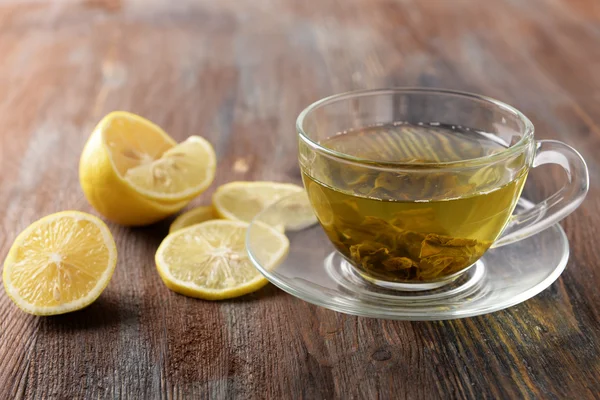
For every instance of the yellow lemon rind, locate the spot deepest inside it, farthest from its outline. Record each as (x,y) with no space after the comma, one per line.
(109,193)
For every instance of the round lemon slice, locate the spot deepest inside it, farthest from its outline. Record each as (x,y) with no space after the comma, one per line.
(60,263)
(291,214)
(192,217)
(209,260)
(242,201)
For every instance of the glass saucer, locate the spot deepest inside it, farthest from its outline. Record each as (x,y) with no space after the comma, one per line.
(315,272)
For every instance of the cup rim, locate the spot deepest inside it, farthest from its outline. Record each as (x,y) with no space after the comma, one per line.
(528,131)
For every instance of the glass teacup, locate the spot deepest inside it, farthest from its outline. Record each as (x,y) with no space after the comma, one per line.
(413,186)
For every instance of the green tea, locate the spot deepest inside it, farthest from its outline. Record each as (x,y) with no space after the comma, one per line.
(417,223)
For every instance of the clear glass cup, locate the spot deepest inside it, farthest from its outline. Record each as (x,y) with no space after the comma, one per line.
(354,232)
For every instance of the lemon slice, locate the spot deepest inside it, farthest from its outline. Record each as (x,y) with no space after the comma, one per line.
(192,217)
(124,143)
(209,260)
(60,263)
(241,201)
(290,214)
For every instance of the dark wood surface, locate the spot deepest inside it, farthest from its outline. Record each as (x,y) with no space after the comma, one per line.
(239,72)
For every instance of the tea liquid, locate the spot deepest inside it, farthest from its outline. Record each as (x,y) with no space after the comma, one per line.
(413,225)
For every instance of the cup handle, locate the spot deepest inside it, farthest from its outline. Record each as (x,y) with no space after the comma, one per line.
(560,204)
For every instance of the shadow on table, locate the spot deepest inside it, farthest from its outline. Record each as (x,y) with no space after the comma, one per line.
(268,292)
(153,234)
(104,312)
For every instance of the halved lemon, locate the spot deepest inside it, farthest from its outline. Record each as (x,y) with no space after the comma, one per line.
(194,216)
(242,201)
(133,173)
(209,260)
(60,263)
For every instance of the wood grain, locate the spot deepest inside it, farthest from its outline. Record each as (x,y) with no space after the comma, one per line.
(239,73)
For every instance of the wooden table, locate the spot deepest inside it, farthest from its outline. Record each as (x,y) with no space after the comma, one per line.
(239,72)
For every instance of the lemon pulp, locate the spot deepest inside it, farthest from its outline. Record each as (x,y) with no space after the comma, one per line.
(60,263)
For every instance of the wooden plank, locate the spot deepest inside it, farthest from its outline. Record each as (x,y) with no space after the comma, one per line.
(238,73)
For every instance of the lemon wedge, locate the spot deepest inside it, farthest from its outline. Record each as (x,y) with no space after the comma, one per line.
(180,173)
(209,260)
(60,263)
(133,173)
(192,217)
(241,201)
